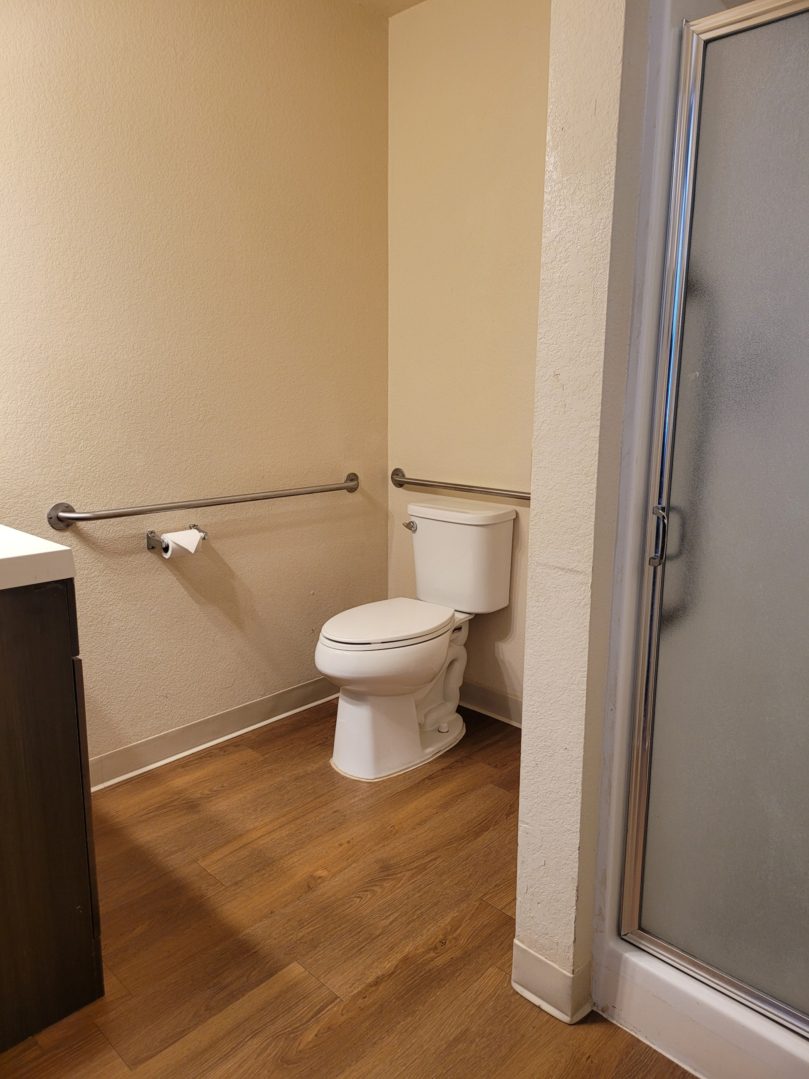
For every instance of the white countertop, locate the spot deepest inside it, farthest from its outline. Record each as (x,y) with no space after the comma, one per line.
(26,559)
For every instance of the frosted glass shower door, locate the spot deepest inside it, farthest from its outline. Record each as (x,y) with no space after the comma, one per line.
(717,876)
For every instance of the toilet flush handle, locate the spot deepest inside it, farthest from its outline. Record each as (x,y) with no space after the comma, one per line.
(411,526)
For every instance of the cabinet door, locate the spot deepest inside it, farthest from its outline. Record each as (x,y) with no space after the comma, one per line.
(48,953)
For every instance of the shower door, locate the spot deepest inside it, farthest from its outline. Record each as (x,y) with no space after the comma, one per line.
(717,863)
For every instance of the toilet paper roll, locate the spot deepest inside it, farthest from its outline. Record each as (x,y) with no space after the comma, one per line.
(176,544)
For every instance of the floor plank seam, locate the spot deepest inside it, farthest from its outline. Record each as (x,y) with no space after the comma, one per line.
(210,873)
(112,1047)
(325,984)
(129,992)
(499,910)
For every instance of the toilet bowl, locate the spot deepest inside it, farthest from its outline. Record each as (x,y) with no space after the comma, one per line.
(399,665)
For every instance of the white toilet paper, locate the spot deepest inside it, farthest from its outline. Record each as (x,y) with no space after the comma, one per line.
(180,543)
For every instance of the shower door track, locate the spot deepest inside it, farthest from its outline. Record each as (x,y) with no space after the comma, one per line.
(696,34)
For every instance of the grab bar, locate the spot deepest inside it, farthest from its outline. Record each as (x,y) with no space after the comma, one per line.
(399,479)
(63,515)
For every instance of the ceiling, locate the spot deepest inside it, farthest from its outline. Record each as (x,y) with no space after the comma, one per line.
(389,7)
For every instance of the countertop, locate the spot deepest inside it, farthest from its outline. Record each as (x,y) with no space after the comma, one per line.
(26,559)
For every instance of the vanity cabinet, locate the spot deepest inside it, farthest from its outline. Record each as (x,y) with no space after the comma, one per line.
(50,955)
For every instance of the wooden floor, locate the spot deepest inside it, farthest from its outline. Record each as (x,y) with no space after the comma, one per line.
(264,916)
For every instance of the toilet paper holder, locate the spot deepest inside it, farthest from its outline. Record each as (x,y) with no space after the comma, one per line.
(155,543)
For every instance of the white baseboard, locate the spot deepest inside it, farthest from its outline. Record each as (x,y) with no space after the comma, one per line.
(120,764)
(491,702)
(565,996)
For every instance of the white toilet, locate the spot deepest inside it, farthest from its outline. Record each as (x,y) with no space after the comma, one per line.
(399,663)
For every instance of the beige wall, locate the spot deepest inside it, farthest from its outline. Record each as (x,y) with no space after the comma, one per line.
(467,93)
(579,396)
(193,277)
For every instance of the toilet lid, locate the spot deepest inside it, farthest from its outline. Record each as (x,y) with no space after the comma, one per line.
(389,621)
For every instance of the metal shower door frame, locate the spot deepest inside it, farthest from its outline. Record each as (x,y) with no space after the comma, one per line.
(696,35)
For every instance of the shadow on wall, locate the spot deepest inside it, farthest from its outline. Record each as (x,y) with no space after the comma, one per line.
(224,599)
(216,588)
(498,629)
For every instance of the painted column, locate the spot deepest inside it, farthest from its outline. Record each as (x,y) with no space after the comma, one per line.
(575,424)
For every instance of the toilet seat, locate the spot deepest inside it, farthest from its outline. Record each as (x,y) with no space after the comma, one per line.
(389,623)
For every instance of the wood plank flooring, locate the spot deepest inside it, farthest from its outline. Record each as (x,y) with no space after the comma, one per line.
(264,916)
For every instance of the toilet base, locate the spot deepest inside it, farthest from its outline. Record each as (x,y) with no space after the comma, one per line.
(379,737)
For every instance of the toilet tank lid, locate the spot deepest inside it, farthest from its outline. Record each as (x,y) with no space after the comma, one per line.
(389,620)
(462,511)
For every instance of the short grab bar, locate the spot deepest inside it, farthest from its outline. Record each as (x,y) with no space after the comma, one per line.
(63,515)
(399,479)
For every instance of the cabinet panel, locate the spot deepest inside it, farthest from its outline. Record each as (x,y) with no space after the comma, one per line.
(50,958)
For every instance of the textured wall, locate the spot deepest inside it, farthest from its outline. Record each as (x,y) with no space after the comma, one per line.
(468,85)
(565,640)
(193,228)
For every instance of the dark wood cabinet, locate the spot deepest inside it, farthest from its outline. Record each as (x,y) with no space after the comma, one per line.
(50,954)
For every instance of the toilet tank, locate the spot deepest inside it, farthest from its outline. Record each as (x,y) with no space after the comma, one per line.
(462,551)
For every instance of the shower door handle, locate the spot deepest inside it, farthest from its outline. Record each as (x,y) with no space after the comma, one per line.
(662,537)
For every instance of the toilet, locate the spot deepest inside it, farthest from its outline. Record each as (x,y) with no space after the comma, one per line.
(399,663)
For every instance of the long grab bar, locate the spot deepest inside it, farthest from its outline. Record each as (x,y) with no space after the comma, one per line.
(399,479)
(63,515)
